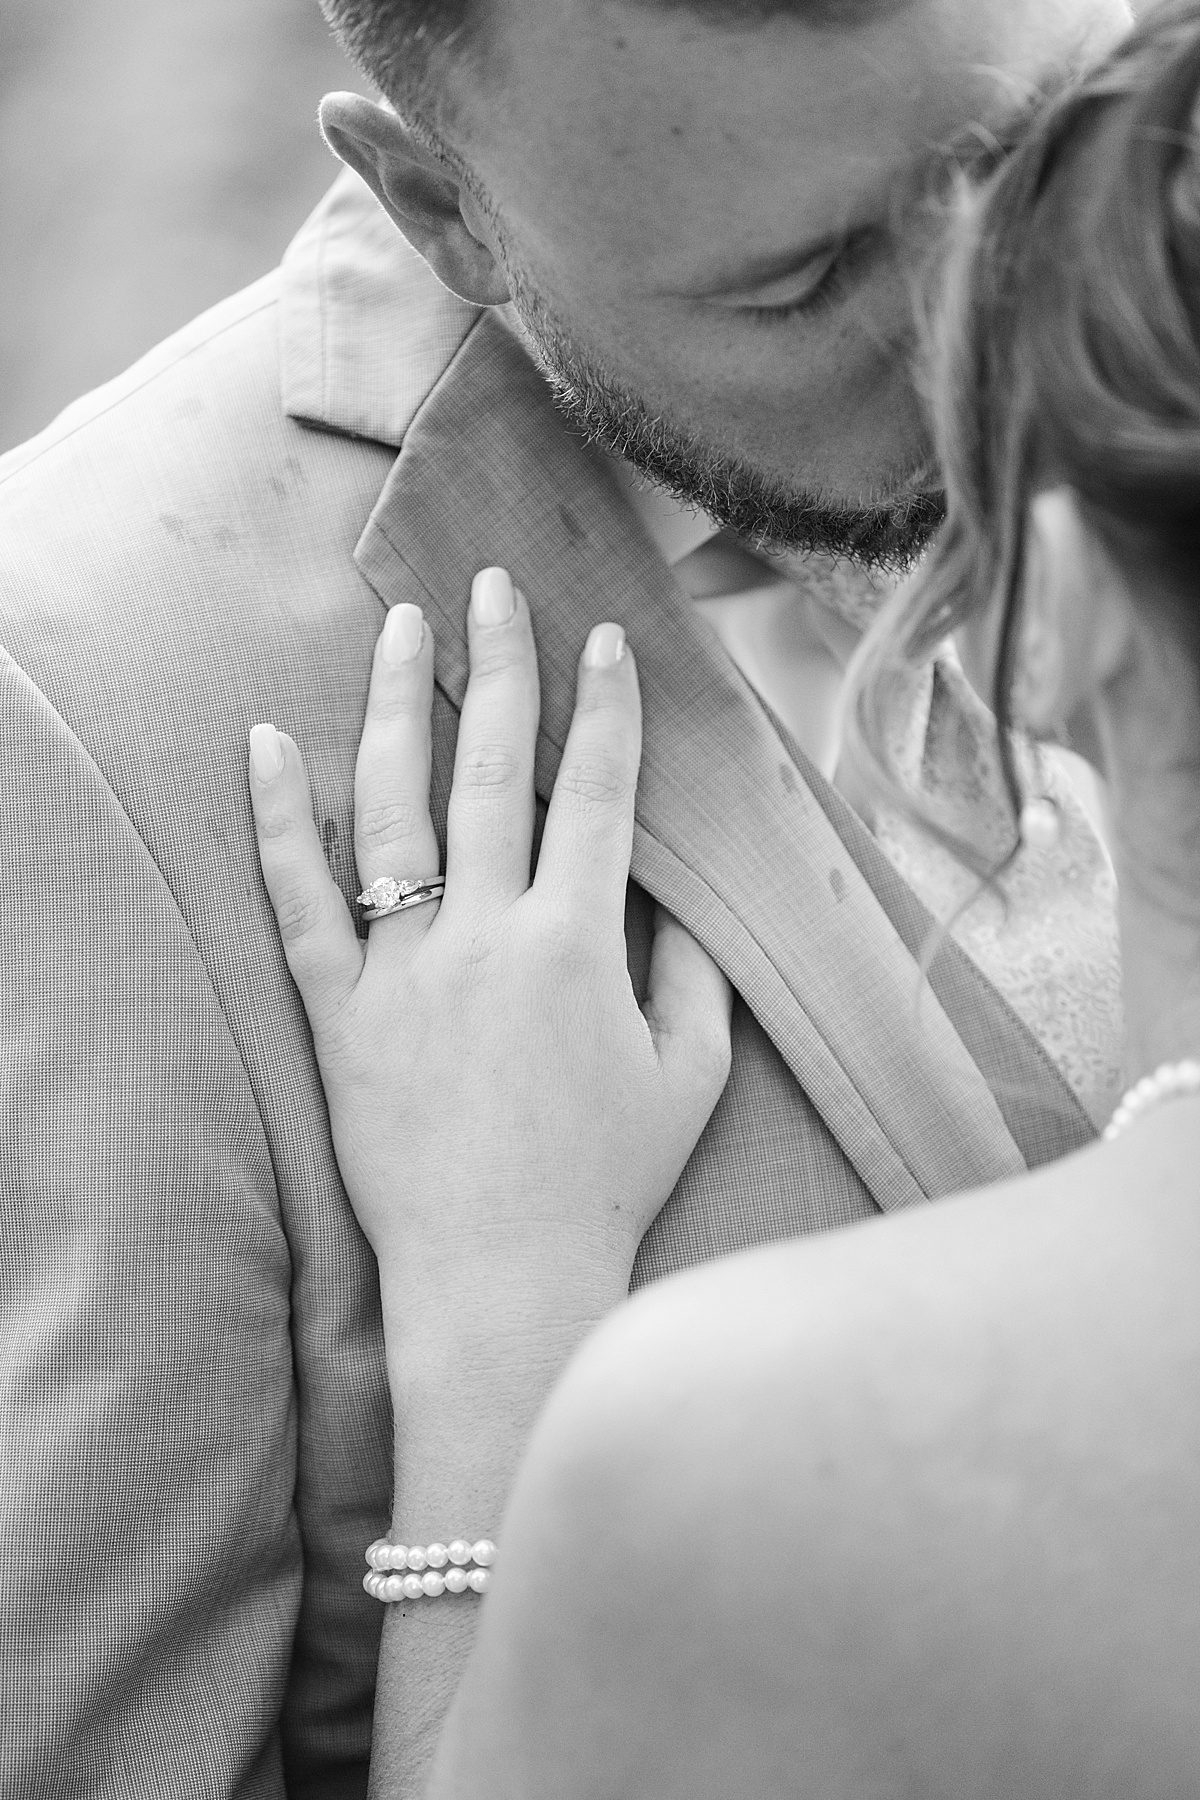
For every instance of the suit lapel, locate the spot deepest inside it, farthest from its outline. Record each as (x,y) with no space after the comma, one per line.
(729,837)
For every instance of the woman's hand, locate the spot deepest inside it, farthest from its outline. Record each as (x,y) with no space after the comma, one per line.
(498,1100)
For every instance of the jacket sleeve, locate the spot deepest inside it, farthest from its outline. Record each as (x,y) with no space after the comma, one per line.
(150,1560)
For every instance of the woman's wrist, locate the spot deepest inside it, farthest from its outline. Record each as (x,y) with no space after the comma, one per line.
(532,1282)
(475,1327)
(469,1370)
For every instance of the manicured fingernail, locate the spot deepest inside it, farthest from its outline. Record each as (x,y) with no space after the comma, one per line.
(493,597)
(403,630)
(266,752)
(605,646)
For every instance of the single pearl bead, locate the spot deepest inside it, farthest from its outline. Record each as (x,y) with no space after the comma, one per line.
(391,1587)
(434,1583)
(436,1555)
(417,1558)
(1041,826)
(395,1557)
(484,1553)
(459,1552)
(456,1580)
(480,1580)
(411,1586)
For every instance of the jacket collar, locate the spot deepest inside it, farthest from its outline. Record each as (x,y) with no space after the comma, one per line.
(729,836)
(365,327)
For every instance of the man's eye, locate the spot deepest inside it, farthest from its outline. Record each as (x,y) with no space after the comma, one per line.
(814,298)
(792,288)
(823,281)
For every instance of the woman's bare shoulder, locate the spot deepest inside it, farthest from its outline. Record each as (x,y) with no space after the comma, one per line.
(860,1507)
(1102,1247)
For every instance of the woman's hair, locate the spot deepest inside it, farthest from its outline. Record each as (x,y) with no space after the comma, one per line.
(1063,348)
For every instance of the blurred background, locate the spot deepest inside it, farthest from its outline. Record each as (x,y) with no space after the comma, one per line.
(155,155)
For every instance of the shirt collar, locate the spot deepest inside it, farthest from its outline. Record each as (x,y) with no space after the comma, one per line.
(367,331)
(675,530)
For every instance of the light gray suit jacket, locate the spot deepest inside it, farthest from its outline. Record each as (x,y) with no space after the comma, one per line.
(196,1431)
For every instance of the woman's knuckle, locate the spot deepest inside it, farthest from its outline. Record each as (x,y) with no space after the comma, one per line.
(276,827)
(594,781)
(483,768)
(300,915)
(392,699)
(386,821)
(496,657)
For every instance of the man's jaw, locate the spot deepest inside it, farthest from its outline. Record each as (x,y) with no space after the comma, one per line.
(888,533)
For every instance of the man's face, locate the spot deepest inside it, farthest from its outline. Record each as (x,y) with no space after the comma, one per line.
(712,234)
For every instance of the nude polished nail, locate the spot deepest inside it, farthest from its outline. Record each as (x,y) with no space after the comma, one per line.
(266,752)
(493,597)
(403,632)
(605,646)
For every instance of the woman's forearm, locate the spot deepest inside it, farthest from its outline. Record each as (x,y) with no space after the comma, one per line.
(470,1364)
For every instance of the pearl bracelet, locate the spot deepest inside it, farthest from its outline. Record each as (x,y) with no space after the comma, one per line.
(432,1569)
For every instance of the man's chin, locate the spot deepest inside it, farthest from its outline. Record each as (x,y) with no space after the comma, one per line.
(888,533)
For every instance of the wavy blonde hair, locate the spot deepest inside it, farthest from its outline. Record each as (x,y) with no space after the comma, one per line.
(1062,346)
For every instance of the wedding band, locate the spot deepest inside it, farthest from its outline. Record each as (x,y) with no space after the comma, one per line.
(387,895)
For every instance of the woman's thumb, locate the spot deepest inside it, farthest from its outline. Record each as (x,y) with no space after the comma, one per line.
(688,1007)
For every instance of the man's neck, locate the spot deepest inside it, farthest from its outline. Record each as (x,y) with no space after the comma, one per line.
(771,630)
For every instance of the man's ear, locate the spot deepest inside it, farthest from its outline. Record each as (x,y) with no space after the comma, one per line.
(1076,616)
(424,196)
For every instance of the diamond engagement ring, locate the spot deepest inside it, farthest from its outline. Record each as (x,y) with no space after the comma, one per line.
(387,895)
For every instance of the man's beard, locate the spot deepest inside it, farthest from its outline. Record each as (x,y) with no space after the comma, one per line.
(763,511)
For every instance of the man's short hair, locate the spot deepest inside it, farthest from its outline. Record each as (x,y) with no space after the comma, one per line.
(406,46)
